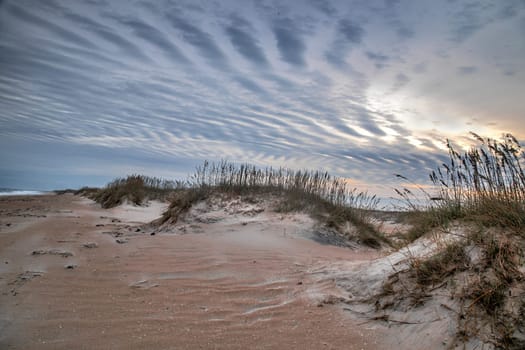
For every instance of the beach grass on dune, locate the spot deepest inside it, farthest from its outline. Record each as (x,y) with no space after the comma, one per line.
(326,198)
(136,189)
(483,189)
(485,184)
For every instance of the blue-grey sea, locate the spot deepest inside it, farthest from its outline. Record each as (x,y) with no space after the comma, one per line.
(17,192)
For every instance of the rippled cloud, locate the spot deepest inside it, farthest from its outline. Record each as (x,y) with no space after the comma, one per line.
(90,90)
(348,35)
(243,37)
(289,42)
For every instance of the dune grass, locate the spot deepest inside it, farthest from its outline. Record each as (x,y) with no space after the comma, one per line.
(136,189)
(484,274)
(485,185)
(483,188)
(328,199)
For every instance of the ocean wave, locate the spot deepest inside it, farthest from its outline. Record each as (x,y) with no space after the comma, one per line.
(7,192)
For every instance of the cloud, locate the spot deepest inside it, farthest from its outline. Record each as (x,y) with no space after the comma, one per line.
(111,36)
(281,82)
(405,32)
(471,18)
(420,68)
(379,59)
(510,9)
(98,3)
(393,15)
(155,37)
(366,120)
(289,42)
(324,6)
(350,31)
(66,35)
(240,32)
(105,105)
(250,85)
(348,34)
(22,60)
(201,40)
(467,70)
(400,81)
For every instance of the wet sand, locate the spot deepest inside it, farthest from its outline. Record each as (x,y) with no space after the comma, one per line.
(75,276)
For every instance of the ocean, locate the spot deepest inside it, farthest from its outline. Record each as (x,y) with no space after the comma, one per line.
(16,192)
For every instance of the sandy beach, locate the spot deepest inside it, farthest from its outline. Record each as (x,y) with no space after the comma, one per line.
(302,174)
(75,276)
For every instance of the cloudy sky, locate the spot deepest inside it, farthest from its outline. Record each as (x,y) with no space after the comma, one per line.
(94,89)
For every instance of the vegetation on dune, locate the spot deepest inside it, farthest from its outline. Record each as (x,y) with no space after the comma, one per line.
(328,199)
(482,275)
(136,189)
(486,185)
(484,189)
(86,191)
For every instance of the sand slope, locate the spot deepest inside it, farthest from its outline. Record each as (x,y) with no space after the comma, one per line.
(74,276)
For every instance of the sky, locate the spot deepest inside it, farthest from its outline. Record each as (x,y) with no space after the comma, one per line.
(96,89)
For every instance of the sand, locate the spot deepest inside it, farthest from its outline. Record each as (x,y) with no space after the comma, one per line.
(75,276)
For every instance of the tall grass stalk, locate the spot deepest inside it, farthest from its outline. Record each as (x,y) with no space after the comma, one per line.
(327,198)
(229,177)
(486,182)
(134,188)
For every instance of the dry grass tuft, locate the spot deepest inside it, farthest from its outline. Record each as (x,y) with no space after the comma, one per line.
(485,184)
(483,188)
(136,189)
(433,270)
(324,197)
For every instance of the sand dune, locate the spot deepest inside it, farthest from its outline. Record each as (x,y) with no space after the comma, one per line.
(229,274)
(77,276)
